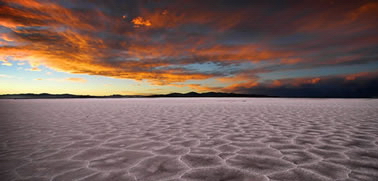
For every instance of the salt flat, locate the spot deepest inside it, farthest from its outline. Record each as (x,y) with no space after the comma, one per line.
(212,139)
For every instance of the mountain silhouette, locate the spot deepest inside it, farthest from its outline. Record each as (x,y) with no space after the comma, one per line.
(189,94)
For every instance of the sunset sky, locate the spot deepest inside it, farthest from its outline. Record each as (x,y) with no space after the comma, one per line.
(97,47)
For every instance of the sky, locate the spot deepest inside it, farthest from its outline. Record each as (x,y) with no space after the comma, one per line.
(140,47)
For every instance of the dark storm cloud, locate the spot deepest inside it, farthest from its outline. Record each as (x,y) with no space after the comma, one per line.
(355,85)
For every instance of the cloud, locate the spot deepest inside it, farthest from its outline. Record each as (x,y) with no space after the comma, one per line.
(69,79)
(143,40)
(197,87)
(353,85)
(140,21)
(72,79)
(355,76)
(36,69)
(5,76)
(6,37)
(6,64)
(201,88)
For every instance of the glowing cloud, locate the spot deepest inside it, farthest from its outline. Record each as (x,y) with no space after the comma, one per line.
(34,69)
(6,64)
(72,79)
(140,21)
(69,79)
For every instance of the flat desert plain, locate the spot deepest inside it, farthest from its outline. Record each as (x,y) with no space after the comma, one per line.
(189,139)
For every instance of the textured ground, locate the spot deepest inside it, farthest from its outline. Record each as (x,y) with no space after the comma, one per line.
(189,139)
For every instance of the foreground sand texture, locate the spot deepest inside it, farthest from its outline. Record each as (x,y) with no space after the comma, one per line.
(191,139)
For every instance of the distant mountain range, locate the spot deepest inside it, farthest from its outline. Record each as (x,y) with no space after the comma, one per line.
(189,94)
(208,94)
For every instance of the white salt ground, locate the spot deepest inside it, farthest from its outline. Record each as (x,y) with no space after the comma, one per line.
(189,139)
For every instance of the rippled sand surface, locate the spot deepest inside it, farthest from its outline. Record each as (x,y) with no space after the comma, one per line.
(191,139)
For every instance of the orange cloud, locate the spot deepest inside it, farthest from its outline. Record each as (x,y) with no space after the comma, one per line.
(140,21)
(334,18)
(355,76)
(314,80)
(297,81)
(96,43)
(202,88)
(36,69)
(164,79)
(72,79)
(7,37)
(244,85)
(71,51)
(53,13)
(290,60)
(175,15)
(198,87)
(276,83)
(368,9)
